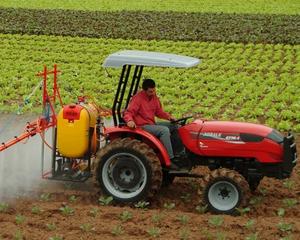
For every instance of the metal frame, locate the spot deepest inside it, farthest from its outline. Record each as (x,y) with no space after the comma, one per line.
(57,172)
(119,96)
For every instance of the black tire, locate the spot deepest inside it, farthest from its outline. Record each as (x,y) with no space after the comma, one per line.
(168,179)
(224,191)
(128,170)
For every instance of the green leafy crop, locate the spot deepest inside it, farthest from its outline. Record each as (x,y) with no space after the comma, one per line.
(247,82)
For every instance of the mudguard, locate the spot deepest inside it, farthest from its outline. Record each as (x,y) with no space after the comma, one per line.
(140,134)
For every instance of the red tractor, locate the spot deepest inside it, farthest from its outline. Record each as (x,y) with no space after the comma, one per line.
(134,164)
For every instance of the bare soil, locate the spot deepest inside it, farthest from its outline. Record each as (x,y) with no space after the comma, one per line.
(44,218)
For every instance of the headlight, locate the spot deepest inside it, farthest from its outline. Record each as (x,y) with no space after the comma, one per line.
(276,136)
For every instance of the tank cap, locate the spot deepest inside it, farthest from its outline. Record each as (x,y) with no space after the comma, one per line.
(72,112)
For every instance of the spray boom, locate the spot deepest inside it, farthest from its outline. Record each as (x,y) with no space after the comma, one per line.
(48,119)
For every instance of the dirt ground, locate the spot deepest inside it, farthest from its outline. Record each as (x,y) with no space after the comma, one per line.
(72,211)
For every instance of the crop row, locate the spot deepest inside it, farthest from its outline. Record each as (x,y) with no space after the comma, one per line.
(120,222)
(229,6)
(253,82)
(218,27)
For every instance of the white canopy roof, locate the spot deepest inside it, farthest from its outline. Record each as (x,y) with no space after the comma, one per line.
(144,58)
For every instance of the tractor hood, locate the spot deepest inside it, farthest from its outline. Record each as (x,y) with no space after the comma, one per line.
(211,127)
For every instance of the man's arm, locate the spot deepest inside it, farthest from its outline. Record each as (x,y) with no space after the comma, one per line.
(161,113)
(130,112)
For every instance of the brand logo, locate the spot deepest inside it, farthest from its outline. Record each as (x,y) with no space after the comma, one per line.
(220,136)
(232,138)
(211,134)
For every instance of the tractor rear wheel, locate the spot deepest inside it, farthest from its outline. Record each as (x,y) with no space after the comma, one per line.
(128,170)
(224,191)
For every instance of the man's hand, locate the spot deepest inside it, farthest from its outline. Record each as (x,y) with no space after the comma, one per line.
(131,124)
(172,119)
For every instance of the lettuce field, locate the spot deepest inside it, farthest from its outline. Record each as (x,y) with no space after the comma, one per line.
(175,26)
(249,71)
(247,82)
(230,6)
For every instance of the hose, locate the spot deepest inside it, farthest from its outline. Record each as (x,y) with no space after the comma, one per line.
(40,131)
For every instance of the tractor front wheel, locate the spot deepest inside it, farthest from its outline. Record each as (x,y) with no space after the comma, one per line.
(128,170)
(224,191)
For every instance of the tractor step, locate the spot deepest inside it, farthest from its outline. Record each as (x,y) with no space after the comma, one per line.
(184,173)
(71,178)
(180,171)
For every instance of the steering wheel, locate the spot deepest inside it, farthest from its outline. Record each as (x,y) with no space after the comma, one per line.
(181,121)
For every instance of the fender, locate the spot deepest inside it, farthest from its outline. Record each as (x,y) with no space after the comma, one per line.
(148,138)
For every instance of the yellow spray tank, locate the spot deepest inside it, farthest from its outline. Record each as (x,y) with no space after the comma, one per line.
(76,132)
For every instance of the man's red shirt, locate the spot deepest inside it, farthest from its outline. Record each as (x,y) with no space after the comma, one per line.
(143,109)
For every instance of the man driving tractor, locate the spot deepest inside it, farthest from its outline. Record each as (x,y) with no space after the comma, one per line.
(141,112)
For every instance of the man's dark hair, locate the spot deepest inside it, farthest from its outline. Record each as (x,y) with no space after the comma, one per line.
(148,83)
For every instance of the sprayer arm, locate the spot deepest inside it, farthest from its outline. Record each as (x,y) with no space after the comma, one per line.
(31,130)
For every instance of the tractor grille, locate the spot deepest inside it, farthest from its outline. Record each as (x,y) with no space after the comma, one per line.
(290,154)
